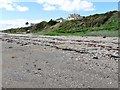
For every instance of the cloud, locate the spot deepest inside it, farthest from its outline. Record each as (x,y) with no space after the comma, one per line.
(7,1)
(48,7)
(22,9)
(7,24)
(7,6)
(11,5)
(67,5)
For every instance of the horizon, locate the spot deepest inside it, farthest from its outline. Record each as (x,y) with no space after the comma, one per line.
(15,14)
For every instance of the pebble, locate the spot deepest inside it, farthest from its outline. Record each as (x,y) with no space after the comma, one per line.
(95,57)
(10,47)
(13,57)
(76,50)
(39,68)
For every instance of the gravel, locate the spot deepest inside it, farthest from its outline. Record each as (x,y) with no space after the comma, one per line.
(31,61)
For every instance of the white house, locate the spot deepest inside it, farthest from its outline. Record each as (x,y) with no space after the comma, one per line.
(74,17)
(60,19)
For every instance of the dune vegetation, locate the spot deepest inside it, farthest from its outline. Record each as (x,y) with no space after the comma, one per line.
(105,24)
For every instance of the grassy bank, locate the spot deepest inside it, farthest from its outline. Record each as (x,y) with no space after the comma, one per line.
(105,24)
(107,33)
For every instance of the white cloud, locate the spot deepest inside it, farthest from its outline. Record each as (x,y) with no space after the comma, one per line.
(7,1)
(67,5)
(48,7)
(22,9)
(11,5)
(7,24)
(6,6)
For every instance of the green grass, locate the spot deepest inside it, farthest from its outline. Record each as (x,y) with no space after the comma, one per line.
(94,25)
(55,34)
(108,33)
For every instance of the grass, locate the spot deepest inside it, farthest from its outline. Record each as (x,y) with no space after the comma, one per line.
(94,25)
(107,33)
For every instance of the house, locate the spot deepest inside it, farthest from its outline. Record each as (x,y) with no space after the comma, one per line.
(74,17)
(60,19)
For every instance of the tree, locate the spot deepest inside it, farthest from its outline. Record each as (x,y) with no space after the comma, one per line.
(26,23)
(27,30)
(52,22)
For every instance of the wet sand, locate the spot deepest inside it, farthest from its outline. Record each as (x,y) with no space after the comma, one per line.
(59,62)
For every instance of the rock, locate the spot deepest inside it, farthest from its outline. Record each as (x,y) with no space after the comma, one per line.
(10,41)
(46,61)
(36,73)
(26,63)
(12,57)
(28,70)
(21,44)
(95,57)
(83,84)
(18,42)
(11,47)
(104,36)
(86,63)
(25,43)
(34,43)
(115,56)
(34,65)
(39,68)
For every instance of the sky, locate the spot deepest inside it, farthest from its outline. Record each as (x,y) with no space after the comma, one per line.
(14,13)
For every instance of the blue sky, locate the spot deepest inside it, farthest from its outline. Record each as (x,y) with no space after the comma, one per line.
(15,14)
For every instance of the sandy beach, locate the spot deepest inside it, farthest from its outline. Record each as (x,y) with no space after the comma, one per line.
(30,61)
